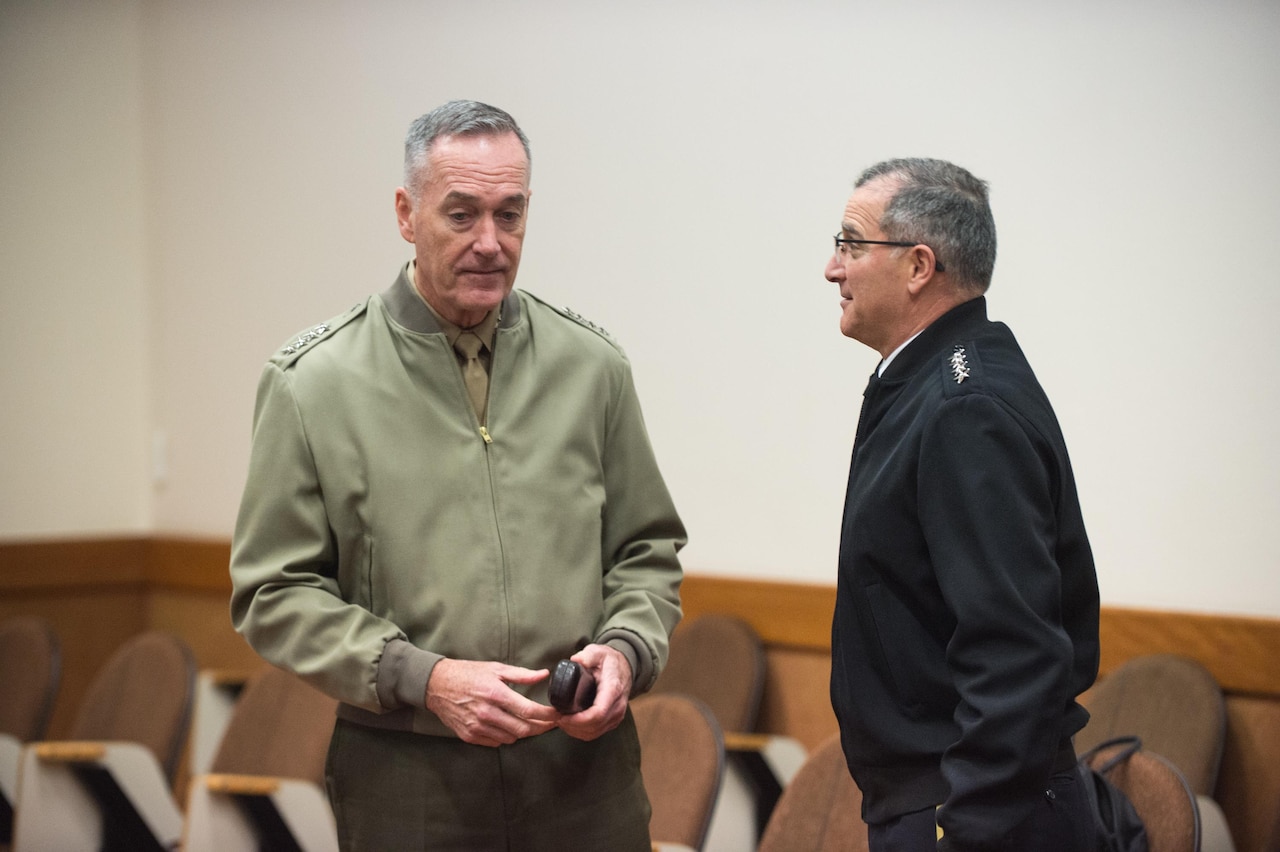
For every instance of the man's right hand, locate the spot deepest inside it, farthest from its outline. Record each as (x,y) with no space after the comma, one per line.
(475,701)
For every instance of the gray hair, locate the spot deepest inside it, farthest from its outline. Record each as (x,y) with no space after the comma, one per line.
(946,208)
(456,118)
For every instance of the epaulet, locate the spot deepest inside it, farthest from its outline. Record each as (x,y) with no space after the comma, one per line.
(306,340)
(570,314)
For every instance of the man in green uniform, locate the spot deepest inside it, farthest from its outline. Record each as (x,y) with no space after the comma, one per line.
(450,489)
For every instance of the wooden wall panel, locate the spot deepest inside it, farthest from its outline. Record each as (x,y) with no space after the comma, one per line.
(190,565)
(90,626)
(203,620)
(44,566)
(797,698)
(792,615)
(1240,651)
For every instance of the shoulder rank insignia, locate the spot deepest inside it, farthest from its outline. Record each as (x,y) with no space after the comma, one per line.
(305,339)
(581,320)
(959,365)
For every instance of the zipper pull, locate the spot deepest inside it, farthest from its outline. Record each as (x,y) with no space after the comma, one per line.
(484,433)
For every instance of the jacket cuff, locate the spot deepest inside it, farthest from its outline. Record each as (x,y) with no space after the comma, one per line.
(629,645)
(403,673)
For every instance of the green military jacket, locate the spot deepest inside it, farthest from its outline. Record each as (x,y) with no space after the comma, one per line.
(384,528)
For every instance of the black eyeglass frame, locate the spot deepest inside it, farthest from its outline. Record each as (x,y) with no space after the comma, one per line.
(937,264)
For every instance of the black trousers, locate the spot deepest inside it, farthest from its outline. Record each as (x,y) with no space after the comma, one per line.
(393,791)
(1061,822)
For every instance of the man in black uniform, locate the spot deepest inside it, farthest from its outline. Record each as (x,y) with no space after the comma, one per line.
(966,620)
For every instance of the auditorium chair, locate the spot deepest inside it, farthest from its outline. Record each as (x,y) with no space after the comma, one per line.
(682,761)
(1177,708)
(1173,703)
(266,787)
(718,659)
(108,787)
(820,810)
(30,669)
(217,692)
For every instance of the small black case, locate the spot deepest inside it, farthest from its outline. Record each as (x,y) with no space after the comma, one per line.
(573,689)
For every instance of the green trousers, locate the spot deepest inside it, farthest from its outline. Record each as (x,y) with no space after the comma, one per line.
(392,791)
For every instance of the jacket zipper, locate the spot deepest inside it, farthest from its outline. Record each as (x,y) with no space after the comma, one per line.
(493,491)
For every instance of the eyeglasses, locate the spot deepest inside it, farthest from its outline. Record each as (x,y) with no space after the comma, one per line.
(841,242)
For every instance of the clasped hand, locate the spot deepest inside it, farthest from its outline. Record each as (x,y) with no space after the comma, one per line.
(476,701)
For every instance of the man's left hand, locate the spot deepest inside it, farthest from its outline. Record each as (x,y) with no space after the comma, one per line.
(613,687)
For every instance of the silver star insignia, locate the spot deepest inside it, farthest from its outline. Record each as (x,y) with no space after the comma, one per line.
(959,365)
(305,339)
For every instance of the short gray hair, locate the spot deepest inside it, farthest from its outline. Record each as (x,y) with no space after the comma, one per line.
(456,118)
(946,208)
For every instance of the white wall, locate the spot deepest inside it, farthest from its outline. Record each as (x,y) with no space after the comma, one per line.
(690,163)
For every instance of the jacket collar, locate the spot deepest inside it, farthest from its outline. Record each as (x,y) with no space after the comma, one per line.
(961,322)
(407,309)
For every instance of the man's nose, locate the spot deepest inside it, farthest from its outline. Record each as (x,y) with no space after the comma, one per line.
(835,270)
(486,234)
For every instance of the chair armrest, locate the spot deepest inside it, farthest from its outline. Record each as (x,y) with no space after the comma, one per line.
(56,810)
(242,785)
(70,751)
(216,822)
(782,755)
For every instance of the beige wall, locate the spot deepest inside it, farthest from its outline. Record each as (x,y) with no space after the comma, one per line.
(230,183)
(75,371)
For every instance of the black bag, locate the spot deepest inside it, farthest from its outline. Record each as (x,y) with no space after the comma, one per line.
(1117,826)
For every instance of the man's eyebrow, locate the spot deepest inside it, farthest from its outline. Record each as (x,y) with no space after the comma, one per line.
(850,229)
(518,199)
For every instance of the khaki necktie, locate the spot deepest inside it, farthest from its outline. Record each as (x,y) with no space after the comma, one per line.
(469,346)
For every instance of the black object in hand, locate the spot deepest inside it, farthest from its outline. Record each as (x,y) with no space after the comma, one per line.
(572,687)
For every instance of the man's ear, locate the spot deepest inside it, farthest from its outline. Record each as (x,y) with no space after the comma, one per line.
(924,267)
(404,213)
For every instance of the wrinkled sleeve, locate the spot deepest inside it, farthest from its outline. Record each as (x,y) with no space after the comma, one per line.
(985,492)
(642,534)
(287,597)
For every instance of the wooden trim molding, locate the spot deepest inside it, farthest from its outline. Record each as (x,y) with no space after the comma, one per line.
(1241,651)
(189,565)
(34,567)
(790,615)
(42,567)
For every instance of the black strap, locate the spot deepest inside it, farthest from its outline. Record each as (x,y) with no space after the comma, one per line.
(1128,744)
